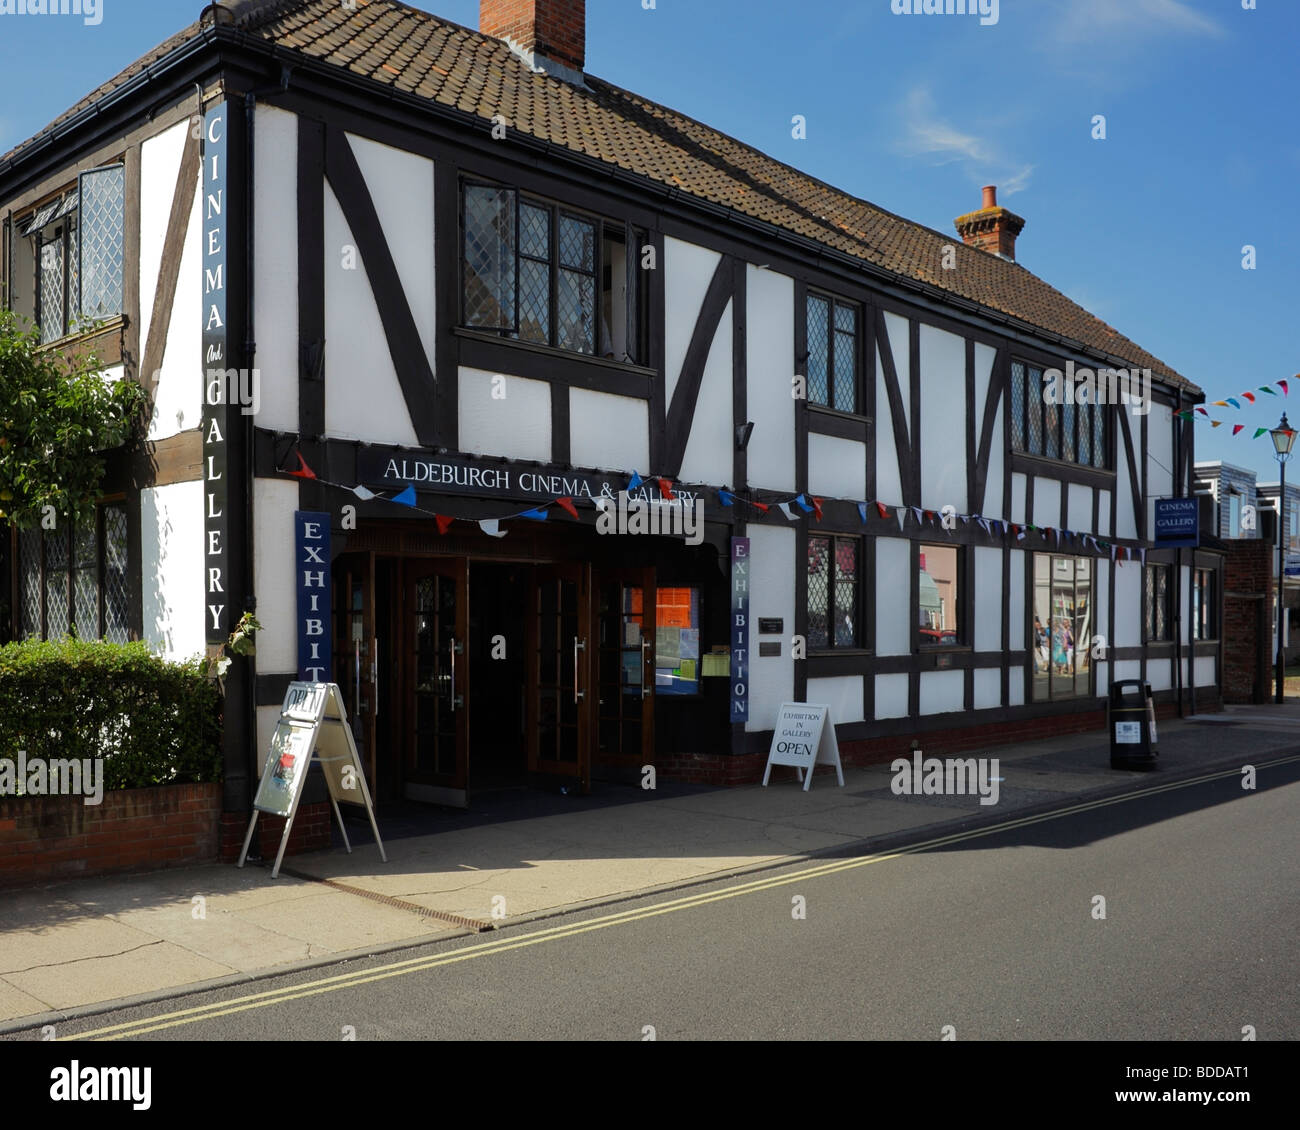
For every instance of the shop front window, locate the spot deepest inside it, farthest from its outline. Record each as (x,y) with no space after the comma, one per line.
(939,596)
(1061,635)
(677,641)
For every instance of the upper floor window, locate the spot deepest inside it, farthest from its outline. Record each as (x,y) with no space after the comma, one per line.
(1234,515)
(833,334)
(67,257)
(535,271)
(1051,425)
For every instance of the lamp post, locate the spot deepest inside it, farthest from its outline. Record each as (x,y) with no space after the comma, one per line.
(1283,438)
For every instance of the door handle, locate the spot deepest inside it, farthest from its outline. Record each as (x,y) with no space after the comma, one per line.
(578,645)
(646,667)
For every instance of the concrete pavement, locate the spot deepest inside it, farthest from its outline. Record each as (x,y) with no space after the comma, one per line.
(80,947)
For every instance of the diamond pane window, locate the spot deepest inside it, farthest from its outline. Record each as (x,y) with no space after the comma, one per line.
(846,584)
(819,561)
(534,301)
(1035,410)
(1067,431)
(1086,412)
(577,312)
(846,368)
(29,553)
(535,232)
(1017,406)
(115,596)
(1052,430)
(819,349)
(102,200)
(57,613)
(577,244)
(1099,436)
(85,587)
(489,257)
(53,315)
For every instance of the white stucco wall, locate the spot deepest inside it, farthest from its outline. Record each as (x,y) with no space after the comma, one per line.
(160,161)
(275,299)
(516,425)
(843,695)
(988,688)
(274,503)
(943,419)
(178,396)
(1080,500)
(1016,596)
(171,557)
(609,432)
(988,599)
(891,696)
(769,369)
(893,597)
(942,692)
(708,457)
(1047,502)
(837,468)
(771,681)
(688,271)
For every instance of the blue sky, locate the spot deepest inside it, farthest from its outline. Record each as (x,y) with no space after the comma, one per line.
(916,112)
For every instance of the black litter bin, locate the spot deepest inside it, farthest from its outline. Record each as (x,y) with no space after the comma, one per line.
(1131,717)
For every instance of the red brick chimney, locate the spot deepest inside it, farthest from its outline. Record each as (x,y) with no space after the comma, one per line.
(991,228)
(541,31)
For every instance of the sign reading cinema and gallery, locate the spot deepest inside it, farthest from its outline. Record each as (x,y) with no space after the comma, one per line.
(1177,522)
(215,363)
(493,478)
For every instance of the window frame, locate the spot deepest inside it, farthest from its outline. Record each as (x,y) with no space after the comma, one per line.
(69,530)
(636,298)
(834,302)
(1205,598)
(1094,419)
(962,616)
(830,647)
(1149,607)
(1055,680)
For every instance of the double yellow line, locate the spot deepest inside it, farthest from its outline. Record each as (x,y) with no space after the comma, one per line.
(500,944)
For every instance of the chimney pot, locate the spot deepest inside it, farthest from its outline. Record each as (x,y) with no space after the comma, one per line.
(992,228)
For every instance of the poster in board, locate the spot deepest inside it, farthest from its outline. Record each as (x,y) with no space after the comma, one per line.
(286,767)
(804,736)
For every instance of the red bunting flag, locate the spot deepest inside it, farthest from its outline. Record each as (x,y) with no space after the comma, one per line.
(1249,396)
(817,508)
(444,523)
(666,489)
(763,506)
(1203,411)
(1283,386)
(567,503)
(884,510)
(303,472)
(1236,428)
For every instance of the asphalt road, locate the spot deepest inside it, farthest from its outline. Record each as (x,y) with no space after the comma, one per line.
(998,935)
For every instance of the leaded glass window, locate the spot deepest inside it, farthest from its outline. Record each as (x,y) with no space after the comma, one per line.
(489,257)
(846,357)
(53,267)
(832,339)
(1156,619)
(819,349)
(1017,406)
(576,289)
(102,195)
(1035,412)
(534,274)
(834,584)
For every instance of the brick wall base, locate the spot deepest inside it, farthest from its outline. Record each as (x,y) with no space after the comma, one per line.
(311,832)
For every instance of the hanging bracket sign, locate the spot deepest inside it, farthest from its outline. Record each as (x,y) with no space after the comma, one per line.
(804,737)
(312,720)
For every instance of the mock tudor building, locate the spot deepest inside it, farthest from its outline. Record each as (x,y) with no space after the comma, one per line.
(414,303)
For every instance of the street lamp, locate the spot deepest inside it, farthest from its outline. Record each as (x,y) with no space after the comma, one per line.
(1283,438)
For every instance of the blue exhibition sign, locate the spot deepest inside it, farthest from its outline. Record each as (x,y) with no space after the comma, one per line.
(311,537)
(1177,522)
(740,629)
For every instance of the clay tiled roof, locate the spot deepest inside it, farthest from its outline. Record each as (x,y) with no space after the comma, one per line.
(422,55)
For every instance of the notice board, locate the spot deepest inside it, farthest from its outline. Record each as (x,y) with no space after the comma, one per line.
(804,736)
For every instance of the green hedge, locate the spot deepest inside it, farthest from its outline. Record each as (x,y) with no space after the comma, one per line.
(154,722)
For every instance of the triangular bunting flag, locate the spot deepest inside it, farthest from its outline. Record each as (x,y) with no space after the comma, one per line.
(1235,403)
(637,480)
(444,523)
(1265,388)
(567,503)
(492,527)
(1202,411)
(666,489)
(1283,386)
(363,494)
(884,510)
(602,504)
(303,472)
(784,507)
(763,506)
(965,519)
(1236,428)
(817,508)
(901,515)
(1259,432)
(1220,403)
(802,503)
(1216,423)
(406,498)
(1186,414)
(1142,554)
(1249,396)
(1114,550)
(726,498)
(538,515)
(862,511)
(916,513)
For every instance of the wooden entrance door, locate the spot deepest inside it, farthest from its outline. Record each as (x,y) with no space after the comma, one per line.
(561,691)
(355,668)
(435,672)
(625,729)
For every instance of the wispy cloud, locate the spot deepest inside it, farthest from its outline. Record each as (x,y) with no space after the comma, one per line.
(1132,20)
(927,134)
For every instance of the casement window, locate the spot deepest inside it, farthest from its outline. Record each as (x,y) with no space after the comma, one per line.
(66,258)
(537,272)
(834,593)
(1205,623)
(1157,604)
(834,334)
(1234,515)
(940,612)
(1060,632)
(72,580)
(1045,422)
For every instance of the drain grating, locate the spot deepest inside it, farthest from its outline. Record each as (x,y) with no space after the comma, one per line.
(475,924)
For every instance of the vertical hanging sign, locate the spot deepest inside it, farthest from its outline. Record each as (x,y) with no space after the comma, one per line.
(740,629)
(216,365)
(311,539)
